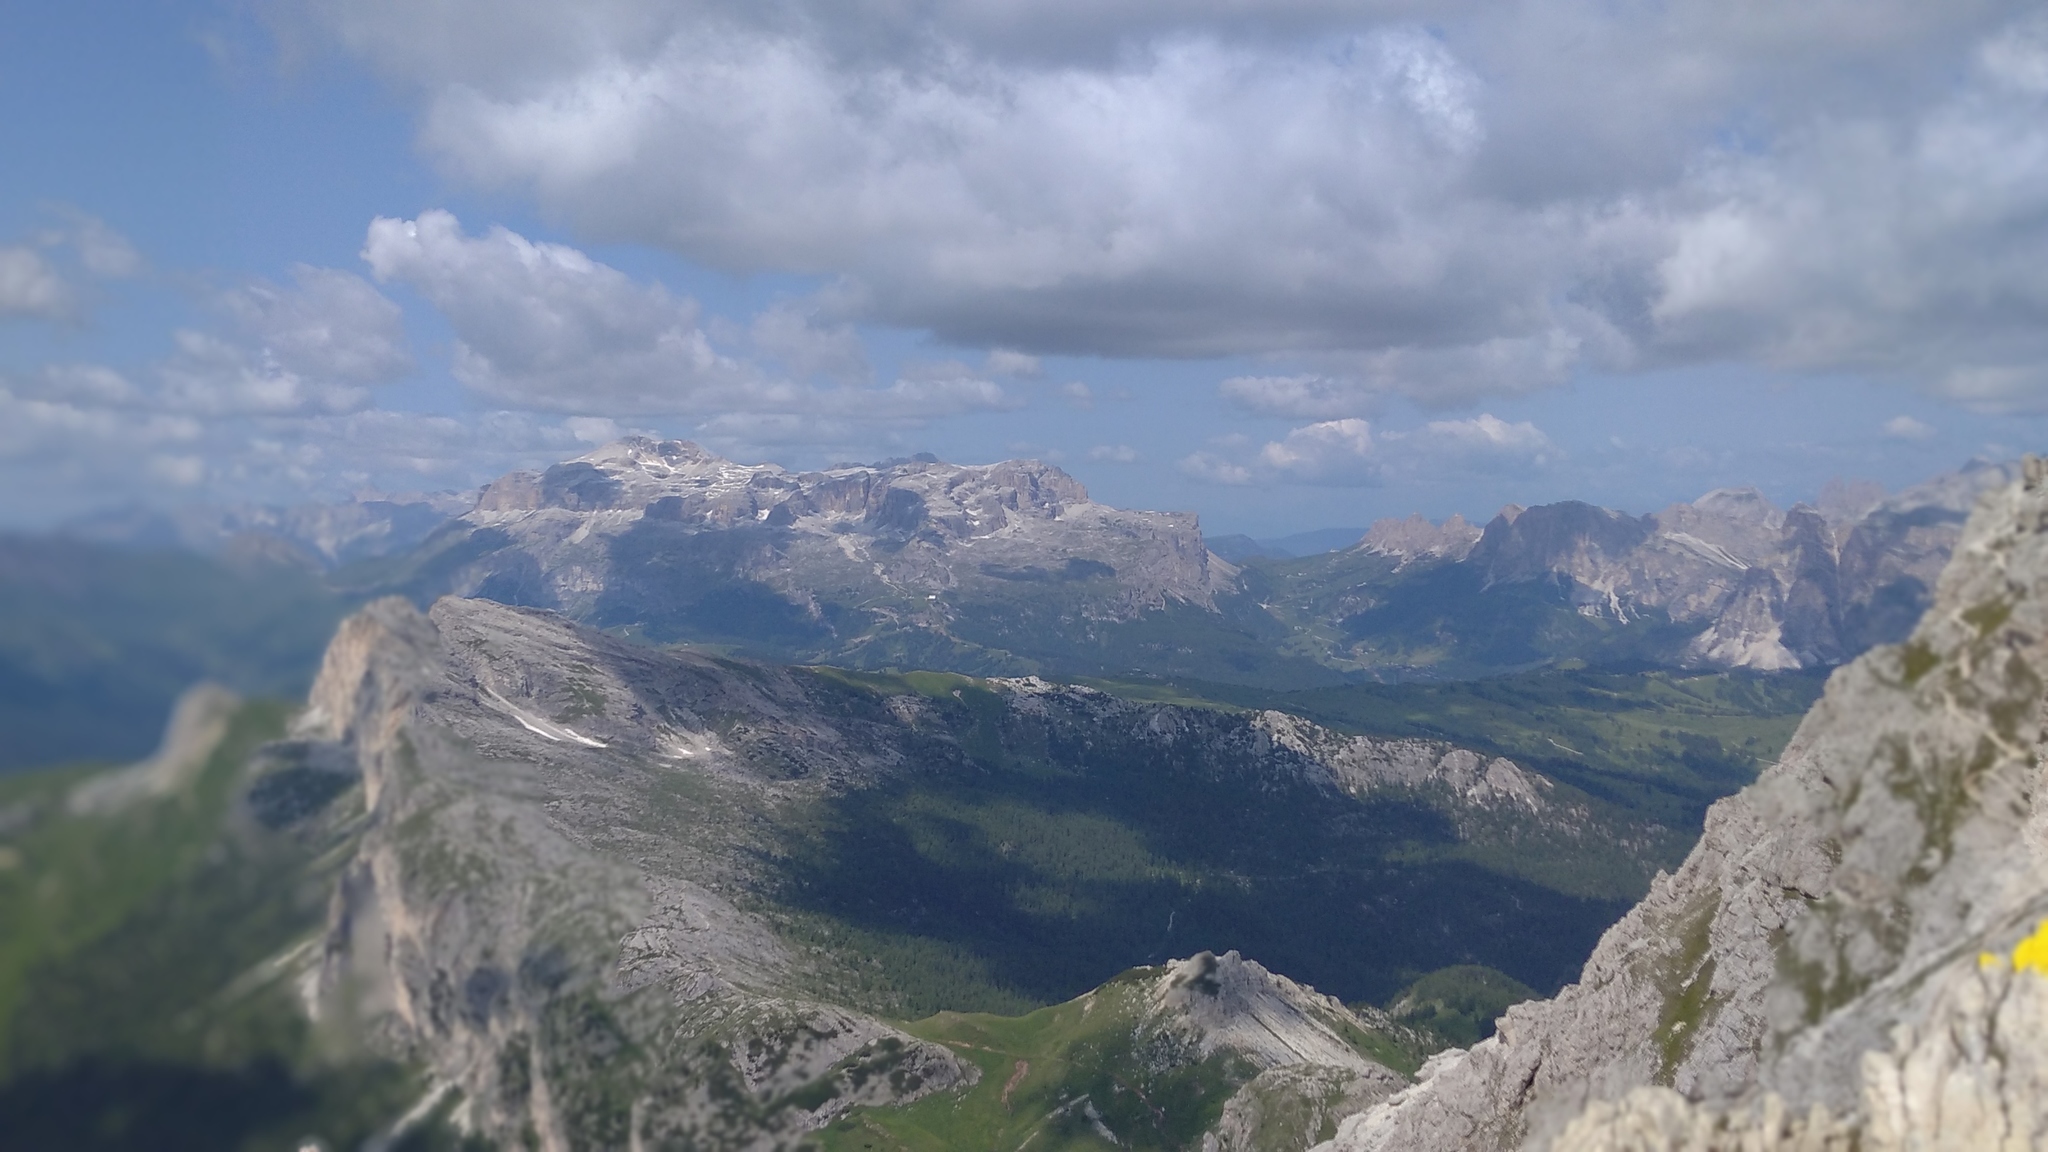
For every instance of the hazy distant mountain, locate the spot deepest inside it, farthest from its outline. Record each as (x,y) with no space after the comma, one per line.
(1006,567)
(1237,548)
(1415,539)
(320,535)
(1726,581)
(1011,568)
(96,641)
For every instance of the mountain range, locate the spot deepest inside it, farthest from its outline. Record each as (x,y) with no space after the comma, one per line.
(1011,569)
(507,880)
(571,890)
(1005,570)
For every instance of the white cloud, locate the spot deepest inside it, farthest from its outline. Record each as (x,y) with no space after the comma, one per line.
(330,325)
(94,384)
(1331,451)
(102,251)
(1215,469)
(792,336)
(544,326)
(1113,454)
(29,286)
(592,429)
(1004,362)
(1907,428)
(1476,209)
(1485,443)
(180,471)
(1351,452)
(32,283)
(1298,396)
(1079,394)
(207,375)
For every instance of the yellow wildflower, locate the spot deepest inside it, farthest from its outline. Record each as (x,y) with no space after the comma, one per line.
(2033,951)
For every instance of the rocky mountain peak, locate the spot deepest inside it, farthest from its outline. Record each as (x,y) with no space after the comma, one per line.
(1741,505)
(1416,539)
(1232,1004)
(1838,963)
(1569,538)
(820,556)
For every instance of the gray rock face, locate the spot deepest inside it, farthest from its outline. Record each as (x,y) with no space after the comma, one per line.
(511,919)
(1776,589)
(554,905)
(905,539)
(1834,966)
(1416,539)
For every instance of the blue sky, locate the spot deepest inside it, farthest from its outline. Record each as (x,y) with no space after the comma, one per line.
(1291,265)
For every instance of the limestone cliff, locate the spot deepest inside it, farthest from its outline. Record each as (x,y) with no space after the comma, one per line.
(1834,964)
(564,898)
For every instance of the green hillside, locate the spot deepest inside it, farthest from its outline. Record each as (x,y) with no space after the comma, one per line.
(140,1006)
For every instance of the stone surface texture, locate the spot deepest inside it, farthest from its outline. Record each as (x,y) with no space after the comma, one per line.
(550,905)
(1832,966)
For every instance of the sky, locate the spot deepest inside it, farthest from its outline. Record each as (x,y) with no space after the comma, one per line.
(1290,264)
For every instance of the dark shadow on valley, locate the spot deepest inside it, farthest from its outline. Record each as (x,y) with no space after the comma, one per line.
(1059,873)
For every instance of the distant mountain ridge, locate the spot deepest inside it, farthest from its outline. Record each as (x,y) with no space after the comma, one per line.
(1850,957)
(1013,569)
(1726,581)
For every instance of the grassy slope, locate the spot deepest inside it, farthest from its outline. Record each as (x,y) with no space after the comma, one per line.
(1005,874)
(1664,744)
(1039,1072)
(138,1009)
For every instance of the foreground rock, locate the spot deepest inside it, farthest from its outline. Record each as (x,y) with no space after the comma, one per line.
(1834,965)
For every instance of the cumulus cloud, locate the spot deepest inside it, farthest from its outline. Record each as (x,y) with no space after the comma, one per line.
(1325,452)
(101,251)
(806,346)
(216,377)
(544,326)
(42,278)
(29,286)
(1005,362)
(1215,468)
(1485,443)
(328,325)
(1453,201)
(1907,428)
(1351,452)
(1113,454)
(320,344)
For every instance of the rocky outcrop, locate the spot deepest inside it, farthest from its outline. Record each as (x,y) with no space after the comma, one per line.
(1835,964)
(1362,764)
(509,921)
(1767,589)
(909,541)
(558,904)
(1298,1042)
(198,721)
(1415,539)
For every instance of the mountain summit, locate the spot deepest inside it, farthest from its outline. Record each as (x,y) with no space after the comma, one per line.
(874,563)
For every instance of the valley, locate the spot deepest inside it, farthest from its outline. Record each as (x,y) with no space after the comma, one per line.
(1104,840)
